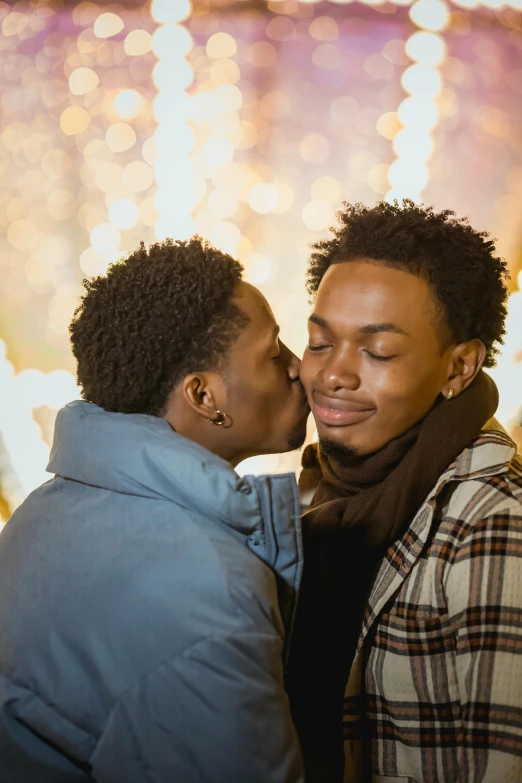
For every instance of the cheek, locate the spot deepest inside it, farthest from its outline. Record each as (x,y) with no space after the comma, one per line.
(241,398)
(405,392)
(386,382)
(255,399)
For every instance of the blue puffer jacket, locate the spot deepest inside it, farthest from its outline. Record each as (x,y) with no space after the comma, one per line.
(145,596)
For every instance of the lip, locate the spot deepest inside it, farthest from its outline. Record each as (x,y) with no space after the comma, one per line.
(337,412)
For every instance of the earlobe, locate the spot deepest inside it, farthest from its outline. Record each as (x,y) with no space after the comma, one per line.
(466,362)
(220,419)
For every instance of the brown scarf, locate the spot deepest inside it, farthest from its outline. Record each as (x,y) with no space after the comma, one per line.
(358,510)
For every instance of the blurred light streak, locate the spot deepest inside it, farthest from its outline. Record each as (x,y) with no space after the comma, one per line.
(508,372)
(418,113)
(27,451)
(174,139)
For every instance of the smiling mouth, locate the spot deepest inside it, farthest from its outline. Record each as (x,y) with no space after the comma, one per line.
(334,415)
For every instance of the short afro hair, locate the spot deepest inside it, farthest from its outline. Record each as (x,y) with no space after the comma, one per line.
(460,264)
(153,318)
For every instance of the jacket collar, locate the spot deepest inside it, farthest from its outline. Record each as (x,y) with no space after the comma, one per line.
(490,454)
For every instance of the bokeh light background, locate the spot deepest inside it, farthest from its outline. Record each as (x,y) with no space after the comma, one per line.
(249,123)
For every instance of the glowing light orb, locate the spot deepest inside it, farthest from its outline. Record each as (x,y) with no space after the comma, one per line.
(263,198)
(105,238)
(408,175)
(82,81)
(107,25)
(222,202)
(430,14)
(314,148)
(138,176)
(124,213)
(422,80)
(74,120)
(326,189)
(138,42)
(221,45)
(426,48)
(128,104)
(318,215)
(226,236)
(169,39)
(258,268)
(218,151)
(120,137)
(166,11)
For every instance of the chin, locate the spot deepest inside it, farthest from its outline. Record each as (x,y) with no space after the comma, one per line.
(354,438)
(338,450)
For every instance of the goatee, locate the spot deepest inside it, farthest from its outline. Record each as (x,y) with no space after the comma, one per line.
(337,452)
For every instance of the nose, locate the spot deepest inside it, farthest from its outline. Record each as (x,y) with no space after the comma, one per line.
(339,371)
(292,362)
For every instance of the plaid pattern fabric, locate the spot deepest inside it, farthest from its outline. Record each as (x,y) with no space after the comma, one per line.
(440,651)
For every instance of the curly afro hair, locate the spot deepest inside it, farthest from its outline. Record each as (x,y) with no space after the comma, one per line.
(459,263)
(152,319)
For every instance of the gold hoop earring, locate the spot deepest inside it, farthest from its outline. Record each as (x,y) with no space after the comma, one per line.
(221,419)
(450,394)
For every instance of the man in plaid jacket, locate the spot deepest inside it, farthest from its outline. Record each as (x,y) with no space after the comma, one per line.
(442,635)
(415,528)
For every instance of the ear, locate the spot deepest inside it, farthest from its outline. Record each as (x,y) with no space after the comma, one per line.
(465,362)
(199,391)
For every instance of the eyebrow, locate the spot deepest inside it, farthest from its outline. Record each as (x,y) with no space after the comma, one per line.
(384,327)
(368,329)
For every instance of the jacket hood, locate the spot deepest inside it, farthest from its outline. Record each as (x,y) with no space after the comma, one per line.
(141,455)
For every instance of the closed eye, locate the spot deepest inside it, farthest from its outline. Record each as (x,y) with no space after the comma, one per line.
(379,358)
(318,347)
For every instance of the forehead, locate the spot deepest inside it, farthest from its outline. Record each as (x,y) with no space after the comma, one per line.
(262,322)
(357,294)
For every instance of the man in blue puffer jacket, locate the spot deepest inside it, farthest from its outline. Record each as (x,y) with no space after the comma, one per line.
(147,592)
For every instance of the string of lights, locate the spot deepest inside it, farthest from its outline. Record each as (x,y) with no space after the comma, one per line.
(418,113)
(173,138)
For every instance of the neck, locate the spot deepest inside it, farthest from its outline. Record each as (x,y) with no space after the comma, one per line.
(205,434)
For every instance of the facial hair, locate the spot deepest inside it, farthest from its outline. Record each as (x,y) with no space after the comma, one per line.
(296,438)
(336,452)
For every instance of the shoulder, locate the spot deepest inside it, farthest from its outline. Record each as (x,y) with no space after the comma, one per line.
(480,516)
(506,487)
(485,476)
(481,493)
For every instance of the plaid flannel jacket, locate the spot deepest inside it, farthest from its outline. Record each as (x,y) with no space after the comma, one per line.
(435,688)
